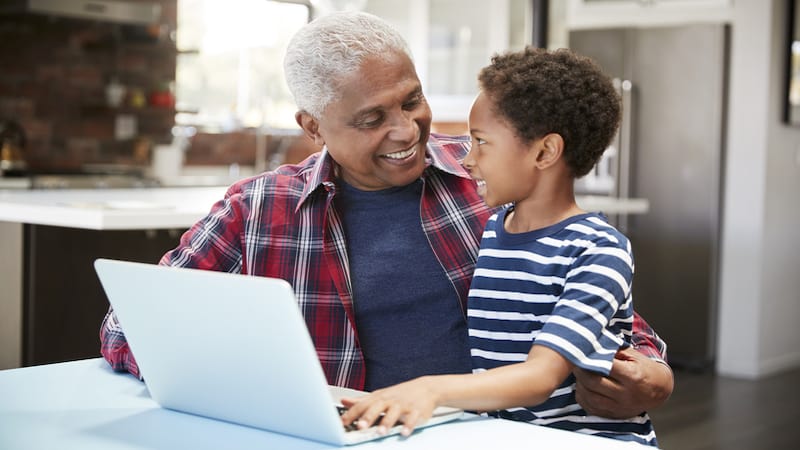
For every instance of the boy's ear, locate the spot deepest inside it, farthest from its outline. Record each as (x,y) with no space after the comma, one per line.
(310,126)
(550,150)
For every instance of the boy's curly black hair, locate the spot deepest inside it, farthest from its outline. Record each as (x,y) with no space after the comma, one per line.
(538,92)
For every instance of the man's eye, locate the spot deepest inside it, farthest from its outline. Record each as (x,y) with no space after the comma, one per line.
(370,122)
(411,104)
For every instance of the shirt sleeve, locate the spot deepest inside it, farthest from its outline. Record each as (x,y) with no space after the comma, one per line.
(645,340)
(590,318)
(114,347)
(214,242)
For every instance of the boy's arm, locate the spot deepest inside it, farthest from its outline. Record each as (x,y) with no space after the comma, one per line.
(530,382)
(640,379)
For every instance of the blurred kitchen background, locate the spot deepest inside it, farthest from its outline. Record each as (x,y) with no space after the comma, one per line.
(153,94)
(116,93)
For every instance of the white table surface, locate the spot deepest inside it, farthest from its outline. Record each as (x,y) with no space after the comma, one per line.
(84,405)
(159,208)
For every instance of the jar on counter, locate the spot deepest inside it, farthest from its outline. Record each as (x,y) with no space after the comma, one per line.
(162,96)
(115,93)
(137,98)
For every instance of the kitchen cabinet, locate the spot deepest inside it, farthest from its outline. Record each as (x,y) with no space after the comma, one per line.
(63,302)
(586,14)
(51,304)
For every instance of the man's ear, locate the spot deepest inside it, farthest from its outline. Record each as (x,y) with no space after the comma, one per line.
(310,126)
(550,149)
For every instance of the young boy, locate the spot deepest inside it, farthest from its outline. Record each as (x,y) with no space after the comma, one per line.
(552,286)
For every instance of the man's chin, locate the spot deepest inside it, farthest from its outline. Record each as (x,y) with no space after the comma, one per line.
(407,176)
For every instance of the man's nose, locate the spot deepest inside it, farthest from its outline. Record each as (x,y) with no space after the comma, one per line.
(404,127)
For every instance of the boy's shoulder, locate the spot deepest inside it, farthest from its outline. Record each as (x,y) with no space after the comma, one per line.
(596,228)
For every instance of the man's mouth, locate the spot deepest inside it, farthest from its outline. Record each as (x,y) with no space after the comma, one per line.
(401,154)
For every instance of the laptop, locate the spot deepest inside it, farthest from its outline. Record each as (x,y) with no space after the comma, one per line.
(230,347)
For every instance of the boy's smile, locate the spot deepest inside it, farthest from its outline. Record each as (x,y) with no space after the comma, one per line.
(498,160)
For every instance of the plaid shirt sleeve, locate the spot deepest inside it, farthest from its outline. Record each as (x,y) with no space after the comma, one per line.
(645,340)
(114,347)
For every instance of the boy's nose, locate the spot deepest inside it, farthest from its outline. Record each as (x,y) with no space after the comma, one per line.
(469,161)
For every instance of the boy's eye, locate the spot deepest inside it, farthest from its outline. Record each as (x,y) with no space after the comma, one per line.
(479,141)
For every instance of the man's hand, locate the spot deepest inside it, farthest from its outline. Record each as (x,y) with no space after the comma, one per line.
(636,384)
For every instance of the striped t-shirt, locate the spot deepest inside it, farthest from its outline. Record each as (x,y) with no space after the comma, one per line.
(567,287)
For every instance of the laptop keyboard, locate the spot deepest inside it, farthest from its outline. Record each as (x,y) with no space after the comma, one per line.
(353,427)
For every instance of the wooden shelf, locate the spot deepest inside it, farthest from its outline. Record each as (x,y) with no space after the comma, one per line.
(100,109)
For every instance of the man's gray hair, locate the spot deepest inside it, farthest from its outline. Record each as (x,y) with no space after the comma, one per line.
(331,47)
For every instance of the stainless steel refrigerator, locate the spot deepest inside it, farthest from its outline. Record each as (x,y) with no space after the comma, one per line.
(670,151)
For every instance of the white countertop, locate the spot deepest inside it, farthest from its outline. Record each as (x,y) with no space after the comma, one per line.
(612,205)
(110,209)
(172,207)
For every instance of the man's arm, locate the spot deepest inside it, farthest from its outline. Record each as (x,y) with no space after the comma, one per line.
(640,379)
(211,244)
(114,347)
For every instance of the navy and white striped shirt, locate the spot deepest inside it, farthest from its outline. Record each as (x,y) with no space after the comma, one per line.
(567,287)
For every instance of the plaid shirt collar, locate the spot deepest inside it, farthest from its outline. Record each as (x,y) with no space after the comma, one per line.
(323,172)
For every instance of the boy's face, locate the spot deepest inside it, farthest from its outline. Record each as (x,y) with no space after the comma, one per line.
(378,128)
(497,157)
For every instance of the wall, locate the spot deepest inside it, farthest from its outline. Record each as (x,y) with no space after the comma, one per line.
(780,345)
(53,80)
(759,282)
(10,295)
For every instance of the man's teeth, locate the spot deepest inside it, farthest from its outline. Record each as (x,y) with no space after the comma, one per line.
(400,155)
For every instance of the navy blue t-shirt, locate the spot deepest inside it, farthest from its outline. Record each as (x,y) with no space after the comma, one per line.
(408,315)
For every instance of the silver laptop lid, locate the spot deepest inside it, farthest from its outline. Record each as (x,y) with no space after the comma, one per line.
(225,346)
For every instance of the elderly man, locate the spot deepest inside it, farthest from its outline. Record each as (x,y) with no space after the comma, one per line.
(378,233)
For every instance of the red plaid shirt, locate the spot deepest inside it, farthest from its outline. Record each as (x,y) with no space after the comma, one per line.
(284,224)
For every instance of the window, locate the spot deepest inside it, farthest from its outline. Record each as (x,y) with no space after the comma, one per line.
(451,40)
(230,63)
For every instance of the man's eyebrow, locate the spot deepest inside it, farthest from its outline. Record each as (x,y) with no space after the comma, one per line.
(366,112)
(417,92)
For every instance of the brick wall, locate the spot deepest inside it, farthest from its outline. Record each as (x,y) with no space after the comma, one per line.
(53,80)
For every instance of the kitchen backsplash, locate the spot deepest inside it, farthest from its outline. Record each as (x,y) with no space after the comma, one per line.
(85,91)
(97,94)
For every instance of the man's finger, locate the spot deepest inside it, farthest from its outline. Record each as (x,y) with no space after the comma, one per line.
(595,383)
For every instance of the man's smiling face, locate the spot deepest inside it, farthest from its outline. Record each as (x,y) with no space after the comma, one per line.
(378,128)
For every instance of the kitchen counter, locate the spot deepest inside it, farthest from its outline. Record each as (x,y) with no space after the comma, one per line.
(110,209)
(15,183)
(612,205)
(172,207)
